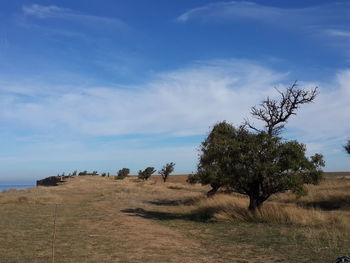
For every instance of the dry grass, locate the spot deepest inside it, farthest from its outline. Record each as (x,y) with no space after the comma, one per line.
(234,208)
(105,220)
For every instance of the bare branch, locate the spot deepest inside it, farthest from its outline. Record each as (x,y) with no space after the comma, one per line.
(275,113)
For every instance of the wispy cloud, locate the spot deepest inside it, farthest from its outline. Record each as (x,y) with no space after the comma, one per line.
(327,23)
(177,103)
(238,10)
(45,11)
(233,11)
(55,12)
(337,33)
(180,102)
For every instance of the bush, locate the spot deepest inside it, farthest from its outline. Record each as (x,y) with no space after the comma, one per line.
(122,173)
(145,174)
(192,179)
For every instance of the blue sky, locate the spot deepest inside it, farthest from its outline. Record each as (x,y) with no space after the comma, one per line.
(101,85)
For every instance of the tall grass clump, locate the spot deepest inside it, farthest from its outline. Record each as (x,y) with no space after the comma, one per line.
(234,208)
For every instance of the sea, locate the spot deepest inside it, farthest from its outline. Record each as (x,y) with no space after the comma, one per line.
(4,187)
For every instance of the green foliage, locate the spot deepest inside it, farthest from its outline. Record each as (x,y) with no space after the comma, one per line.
(260,164)
(145,174)
(167,170)
(122,173)
(347,147)
(255,164)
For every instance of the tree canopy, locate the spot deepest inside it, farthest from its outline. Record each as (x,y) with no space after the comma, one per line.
(255,164)
(258,162)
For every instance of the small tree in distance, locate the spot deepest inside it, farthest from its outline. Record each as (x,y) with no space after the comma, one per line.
(145,174)
(260,164)
(122,173)
(347,147)
(167,170)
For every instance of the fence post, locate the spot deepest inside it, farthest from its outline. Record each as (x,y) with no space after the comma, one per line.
(54,234)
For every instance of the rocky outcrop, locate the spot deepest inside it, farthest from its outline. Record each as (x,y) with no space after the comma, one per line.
(51,181)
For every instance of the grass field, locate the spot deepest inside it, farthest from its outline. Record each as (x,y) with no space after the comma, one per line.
(99,219)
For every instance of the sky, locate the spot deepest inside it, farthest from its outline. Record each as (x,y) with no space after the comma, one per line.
(102,85)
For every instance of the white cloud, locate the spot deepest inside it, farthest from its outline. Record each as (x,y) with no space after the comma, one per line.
(326,23)
(243,10)
(44,11)
(328,116)
(55,12)
(180,102)
(337,33)
(232,10)
(177,103)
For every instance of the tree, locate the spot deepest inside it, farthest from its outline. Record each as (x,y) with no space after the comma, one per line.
(257,162)
(347,147)
(145,174)
(167,170)
(123,173)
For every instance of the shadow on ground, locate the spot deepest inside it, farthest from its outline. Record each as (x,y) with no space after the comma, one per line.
(166,202)
(159,215)
(334,203)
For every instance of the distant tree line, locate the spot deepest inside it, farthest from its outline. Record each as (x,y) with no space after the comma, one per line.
(143,175)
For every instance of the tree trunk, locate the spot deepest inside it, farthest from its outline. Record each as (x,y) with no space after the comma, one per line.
(213,191)
(255,202)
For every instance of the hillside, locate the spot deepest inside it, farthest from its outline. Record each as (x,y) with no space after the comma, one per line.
(96,219)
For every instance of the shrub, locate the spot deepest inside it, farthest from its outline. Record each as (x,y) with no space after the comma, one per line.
(122,173)
(145,174)
(192,179)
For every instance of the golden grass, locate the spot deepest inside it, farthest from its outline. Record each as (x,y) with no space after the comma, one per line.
(106,220)
(234,208)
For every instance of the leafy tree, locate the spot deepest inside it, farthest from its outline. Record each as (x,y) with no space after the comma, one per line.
(122,173)
(347,147)
(167,170)
(259,163)
(145,174)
